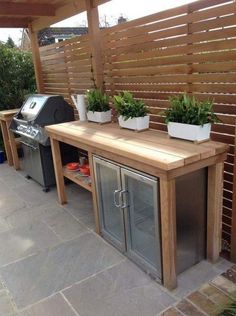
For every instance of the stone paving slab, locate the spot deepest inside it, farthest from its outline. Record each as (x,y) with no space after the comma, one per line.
(187,308)
(121,290)
(24,241)
(199,274)
(48,272)
(30,214)
(224,284)
(53,306)
(83,266)
(214,294)
(203,303)
(172,312)
(6,304)
(65,226)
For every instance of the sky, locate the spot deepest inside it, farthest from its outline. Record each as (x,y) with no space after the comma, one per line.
(131,9)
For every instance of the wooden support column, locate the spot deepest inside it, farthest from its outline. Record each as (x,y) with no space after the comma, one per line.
(94,193)
(6,142)
(56,154)
(13,147)
(214,212)
(95,42)
(36,59)
(168,232)
(233,229)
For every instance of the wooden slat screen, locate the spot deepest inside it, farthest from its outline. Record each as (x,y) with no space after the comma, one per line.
(190,49)
(67,67)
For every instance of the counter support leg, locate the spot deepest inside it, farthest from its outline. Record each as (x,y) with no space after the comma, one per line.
(168,232)
(214,212)
(56,153)
(94,194)
(6,143)
(13,147)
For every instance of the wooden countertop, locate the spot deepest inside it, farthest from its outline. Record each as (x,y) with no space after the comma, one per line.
(8,113)
(152,147)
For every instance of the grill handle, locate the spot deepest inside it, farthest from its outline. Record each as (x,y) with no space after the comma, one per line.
(28,145)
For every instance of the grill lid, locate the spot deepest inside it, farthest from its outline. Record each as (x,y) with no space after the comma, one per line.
(32,106)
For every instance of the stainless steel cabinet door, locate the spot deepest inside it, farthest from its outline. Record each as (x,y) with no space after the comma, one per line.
(108,185)
(141,205)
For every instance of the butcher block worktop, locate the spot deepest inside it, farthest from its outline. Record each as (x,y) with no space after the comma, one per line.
(151,147)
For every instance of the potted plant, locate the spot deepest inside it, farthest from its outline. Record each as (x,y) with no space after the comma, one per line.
(189,118)
(132,113)
(98,109)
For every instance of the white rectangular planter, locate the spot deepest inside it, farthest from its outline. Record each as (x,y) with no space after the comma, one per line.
(195,133)
(136,123)
(99,117)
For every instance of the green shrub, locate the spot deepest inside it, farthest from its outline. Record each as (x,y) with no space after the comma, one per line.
(189,110)
(16,77)
(229,310)
(97,101)
(128,107)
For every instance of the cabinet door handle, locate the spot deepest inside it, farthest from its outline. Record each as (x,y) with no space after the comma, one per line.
(115,194)
(122,193)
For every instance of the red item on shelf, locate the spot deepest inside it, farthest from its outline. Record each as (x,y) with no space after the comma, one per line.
(72,166)
(85,170)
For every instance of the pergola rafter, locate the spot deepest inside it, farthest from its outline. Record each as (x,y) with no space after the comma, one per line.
(41,13)
(27,9)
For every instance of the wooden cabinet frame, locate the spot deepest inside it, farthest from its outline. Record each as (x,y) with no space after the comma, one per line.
(167,194)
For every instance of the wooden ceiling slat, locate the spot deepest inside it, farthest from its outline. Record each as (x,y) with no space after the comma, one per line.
(26,9)
(39,14)
(13,22)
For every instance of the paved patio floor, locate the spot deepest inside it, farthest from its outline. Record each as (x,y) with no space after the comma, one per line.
(52,263)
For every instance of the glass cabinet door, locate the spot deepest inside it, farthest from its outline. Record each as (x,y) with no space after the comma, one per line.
(108,185)
(141,206)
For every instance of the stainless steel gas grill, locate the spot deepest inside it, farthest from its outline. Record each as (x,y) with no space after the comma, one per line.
(38,111)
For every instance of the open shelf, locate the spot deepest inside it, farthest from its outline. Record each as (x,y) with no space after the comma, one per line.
(78,179)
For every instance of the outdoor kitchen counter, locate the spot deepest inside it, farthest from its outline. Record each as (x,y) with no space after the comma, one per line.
(156,154)
(8,137)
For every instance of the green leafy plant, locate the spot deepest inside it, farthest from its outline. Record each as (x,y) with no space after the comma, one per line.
(230,309)
(189,110)
(16,77)
(97,101)
(128,107)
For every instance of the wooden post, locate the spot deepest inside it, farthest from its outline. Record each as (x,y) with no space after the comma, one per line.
(233,229)
(168,232)
(94,194)
(6,142)
(13,147)
(56,154)
(36,59)
(95,42)
(214,212)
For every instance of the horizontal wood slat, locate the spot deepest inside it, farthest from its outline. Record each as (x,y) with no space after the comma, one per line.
(190,49)
(187,49)
(67,66)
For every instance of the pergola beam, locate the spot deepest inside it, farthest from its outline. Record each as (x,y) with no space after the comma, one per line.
(36,59)
(26,9)
(70,9)
(14,22)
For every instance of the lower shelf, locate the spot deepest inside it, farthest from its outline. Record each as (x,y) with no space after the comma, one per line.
(78,179)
